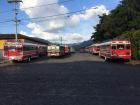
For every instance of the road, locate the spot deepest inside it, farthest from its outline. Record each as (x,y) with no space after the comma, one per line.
(79,79)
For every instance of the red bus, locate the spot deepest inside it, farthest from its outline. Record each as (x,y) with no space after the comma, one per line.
(19,51)
(117,49)
(94,48)
(89,49)
(67,49)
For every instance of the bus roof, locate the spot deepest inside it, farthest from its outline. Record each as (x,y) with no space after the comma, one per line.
(116,42)
(19,43)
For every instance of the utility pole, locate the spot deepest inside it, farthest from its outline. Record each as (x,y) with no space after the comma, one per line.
(61,40)
(15,2)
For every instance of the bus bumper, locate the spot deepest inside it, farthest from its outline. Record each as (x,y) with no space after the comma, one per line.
(53,54)
(15,58)
(121,57)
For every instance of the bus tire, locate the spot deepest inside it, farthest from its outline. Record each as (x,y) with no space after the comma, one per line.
(99,54)
(29,59)
(105,58)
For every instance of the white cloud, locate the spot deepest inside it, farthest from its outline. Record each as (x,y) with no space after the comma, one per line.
(45,11)
(47,29)
(25,33)
(56,37)
(93,12)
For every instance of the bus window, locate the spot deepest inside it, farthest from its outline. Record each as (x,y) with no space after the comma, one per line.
(127,46)
(19,48)
(120,47)
(11,48)
(114,47)
(6,48)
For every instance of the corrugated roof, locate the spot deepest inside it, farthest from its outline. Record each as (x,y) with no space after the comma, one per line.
(20,36)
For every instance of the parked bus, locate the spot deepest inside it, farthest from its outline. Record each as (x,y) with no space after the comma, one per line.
(118,49)
(72,50)
(56,51)
(67,49)
(42,50)
(20,51)
(95,48)
(89,49)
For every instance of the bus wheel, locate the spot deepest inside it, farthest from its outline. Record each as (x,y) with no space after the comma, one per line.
(106,58)
(99,55)
(29,59)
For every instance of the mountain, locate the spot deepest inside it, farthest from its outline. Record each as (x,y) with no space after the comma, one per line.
(82,45)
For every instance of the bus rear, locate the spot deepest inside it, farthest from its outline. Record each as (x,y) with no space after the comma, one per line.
(121,50)
(96,49)
(67,49)
(13,50)
(56,51)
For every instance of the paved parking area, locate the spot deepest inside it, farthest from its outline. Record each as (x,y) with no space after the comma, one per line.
(79,79)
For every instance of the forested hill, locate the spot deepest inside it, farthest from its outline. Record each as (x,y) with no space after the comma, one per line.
(82,45)
(126,17)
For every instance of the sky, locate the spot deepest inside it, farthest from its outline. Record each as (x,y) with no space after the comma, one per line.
(71,20)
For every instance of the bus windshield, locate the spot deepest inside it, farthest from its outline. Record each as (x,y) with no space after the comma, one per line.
(11,48)
(120,46)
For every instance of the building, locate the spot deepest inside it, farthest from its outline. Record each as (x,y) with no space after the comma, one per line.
(24,38)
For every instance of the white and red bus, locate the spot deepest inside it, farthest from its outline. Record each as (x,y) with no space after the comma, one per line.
(117,49)
(56,51)
(95,48)
(90,49)
(20,51)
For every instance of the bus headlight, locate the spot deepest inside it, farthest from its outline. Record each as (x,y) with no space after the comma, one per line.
(12,58)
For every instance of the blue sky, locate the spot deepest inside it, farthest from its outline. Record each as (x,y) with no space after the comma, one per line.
(76,28)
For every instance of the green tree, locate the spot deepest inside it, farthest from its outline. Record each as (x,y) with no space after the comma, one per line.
(125,17)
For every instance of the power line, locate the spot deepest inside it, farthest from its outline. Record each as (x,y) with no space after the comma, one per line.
(32,19)
(23,25)
(50,16)
(48,19)
(6,21)
(6,11)
(43,5)
(47,4)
